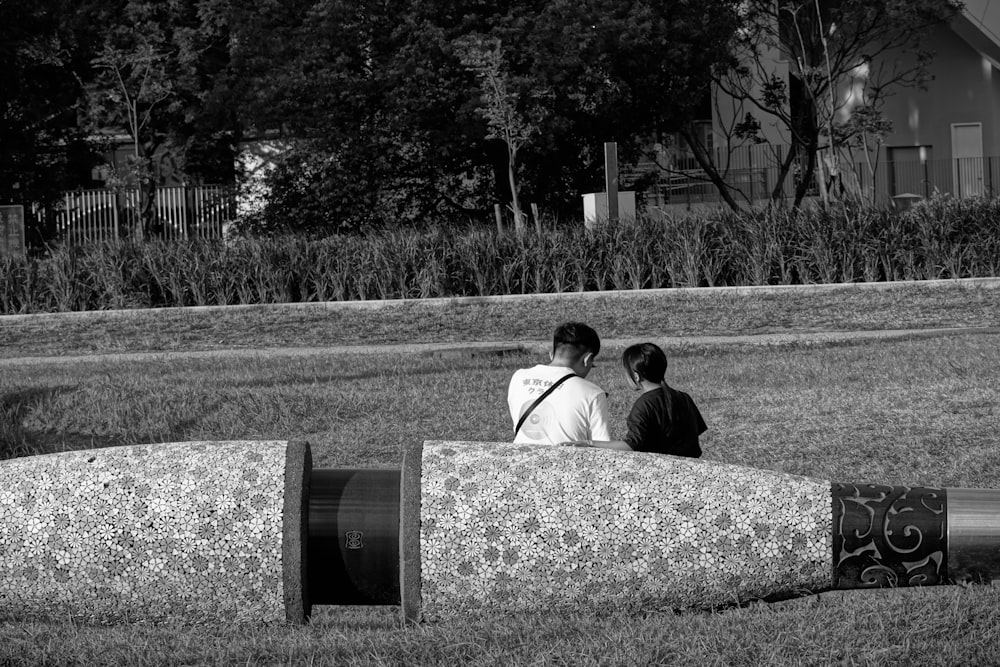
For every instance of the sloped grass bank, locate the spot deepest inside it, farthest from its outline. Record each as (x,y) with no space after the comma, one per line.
(650,314)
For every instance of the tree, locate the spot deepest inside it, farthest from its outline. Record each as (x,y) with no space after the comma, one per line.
(622,71)
(839,55)
(865,131)
(504,119)
(381,94)
(135,85)
(40,144)
(156,77)
(372,101)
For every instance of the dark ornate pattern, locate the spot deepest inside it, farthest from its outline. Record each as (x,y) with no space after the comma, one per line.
(889,536)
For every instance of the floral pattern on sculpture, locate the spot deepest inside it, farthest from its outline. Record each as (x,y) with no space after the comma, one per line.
(521,527)
(158,532)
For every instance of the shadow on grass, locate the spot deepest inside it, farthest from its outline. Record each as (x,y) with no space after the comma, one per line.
(447,363)
(17,440)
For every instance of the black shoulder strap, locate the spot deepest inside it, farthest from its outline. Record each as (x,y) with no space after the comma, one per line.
(538,400)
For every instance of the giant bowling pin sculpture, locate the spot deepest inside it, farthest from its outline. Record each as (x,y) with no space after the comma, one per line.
(250,532)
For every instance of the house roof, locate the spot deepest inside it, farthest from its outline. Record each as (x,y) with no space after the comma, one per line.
(979,25)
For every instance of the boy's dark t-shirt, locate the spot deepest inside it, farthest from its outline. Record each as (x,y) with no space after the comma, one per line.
(665,421)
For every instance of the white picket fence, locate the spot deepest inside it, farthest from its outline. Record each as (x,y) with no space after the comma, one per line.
(181,212)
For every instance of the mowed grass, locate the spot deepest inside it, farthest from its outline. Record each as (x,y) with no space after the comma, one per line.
(676,312)
(898,410)
(910,411)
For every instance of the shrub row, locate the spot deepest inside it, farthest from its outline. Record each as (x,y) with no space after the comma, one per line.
(940,238)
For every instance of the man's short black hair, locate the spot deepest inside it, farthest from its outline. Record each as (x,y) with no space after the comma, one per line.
(578,336)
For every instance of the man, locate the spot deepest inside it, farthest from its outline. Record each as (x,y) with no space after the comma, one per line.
(576,409)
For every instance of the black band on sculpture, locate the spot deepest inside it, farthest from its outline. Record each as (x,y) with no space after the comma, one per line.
(354,536)
(889,536)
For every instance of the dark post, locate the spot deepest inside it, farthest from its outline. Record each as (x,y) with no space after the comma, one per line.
(11,231)
(611,177)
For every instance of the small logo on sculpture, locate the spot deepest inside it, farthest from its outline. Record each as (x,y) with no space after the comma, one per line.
(354,539)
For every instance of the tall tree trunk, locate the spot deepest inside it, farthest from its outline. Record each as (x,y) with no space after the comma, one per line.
(496,153)
(515,205)
(704,161)
(145,177)
(778,192)
(803,185)
(147,207)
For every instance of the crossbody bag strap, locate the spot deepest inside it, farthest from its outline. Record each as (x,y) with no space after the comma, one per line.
(538,400)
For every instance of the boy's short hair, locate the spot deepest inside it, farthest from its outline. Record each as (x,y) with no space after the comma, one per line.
(578,336)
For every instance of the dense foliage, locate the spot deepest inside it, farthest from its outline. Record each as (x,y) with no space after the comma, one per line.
(389,115)
(380,114)
(942,238)
(40,142)
(156,76)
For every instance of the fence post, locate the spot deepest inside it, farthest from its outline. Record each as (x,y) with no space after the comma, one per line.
(230,197)
(115,209)
(185,217)
(538,218)
(63,224)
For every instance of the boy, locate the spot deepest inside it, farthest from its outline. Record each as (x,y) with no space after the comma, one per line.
(576,409)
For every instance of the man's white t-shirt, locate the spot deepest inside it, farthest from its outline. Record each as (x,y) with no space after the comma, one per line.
(576,410)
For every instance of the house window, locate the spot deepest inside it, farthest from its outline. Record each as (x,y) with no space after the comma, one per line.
(100,173)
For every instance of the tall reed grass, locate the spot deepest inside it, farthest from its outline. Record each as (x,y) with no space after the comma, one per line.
(940,238)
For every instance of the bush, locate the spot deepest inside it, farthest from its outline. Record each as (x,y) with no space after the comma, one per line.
(940,238)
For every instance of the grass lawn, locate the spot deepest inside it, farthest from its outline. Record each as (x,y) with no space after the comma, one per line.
(615,315)
(922,410)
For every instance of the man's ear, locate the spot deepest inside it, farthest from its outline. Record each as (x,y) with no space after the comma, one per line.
(588,359)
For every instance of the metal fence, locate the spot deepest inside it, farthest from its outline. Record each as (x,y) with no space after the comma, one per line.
(181,212)
(962,177)
(753,174)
